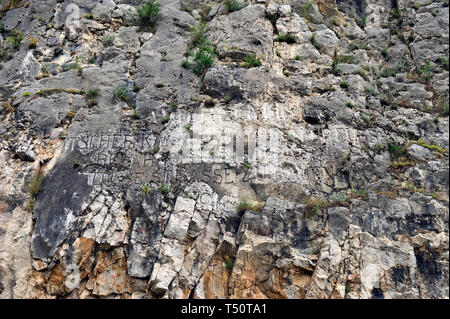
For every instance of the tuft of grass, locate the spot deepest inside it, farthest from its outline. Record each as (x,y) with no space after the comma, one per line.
(48,92)
(433,148)
(185,64)
(92,93)
(397,152)
(228,264)
(314,205)
(164,189)
(71,114)
(120,93)
(425,72)
(198,32)
(344,85)
(288,38)
(204,58)
(233,5)
(15,39)
(251,61)
(165,119)
(304,10)
(146,189)
(34,188)
(245,205)
(328,88)
(445,62)
(149,14)
(108,40)
(314,42)
(137,115)
(361,193)
(337,59)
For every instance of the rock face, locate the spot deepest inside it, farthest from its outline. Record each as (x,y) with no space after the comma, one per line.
(309,160)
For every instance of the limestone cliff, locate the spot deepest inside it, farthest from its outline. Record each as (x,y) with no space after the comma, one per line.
(258,149)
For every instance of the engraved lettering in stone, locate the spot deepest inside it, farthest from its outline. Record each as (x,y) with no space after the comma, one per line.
(94,143)
(104,141)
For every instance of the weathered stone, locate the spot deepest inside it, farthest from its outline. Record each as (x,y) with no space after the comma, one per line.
(292,167)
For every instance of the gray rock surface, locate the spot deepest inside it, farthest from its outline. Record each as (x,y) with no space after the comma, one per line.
(309,160)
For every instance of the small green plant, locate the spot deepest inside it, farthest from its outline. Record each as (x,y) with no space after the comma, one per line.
(445,62)
(204,59)
(155,149)
(396,151)
(366,118)
(245,205)
(227,99)
(361,193)
(433,148)
(198,32)
(314,42)
(15,40)
(361,21)
(251,61)
(328,88)
(187,127)
(164,189)
(146,189)
(298,58)
(165,119)
(92,93)
(89,16)
(343,85)
(137,115)
(425,72)
(350,105)
(71,114)
(174,106)
(185,64)
(233,5)
(149,14)
(384,52)
(26,94)
(34,186)
(304,10)
(120,93)
(337,59)
(75,163)
(338,199)
(347,287)
(228,264)
(108,40)
(314,205)
(288,38)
